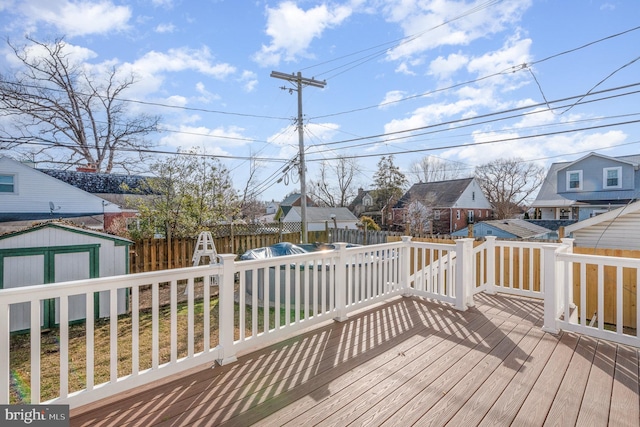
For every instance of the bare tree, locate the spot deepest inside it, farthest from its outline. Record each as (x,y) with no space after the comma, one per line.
(432,169)
(508,184)
(58,104)
(335,183)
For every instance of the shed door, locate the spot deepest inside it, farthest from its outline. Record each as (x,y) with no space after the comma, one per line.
(35,266)
(21,271)
(71,266)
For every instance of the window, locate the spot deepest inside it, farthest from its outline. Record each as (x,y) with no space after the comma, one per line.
(612,177)
(574,180)
(479,214)
(470,216)
(473,195)
(436,215)
(458,214)
(367,201)
(7,184)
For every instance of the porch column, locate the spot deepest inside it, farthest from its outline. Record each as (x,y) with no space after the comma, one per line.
(341,282)
(225,314)
(568,243)
(490,262)
(464,274)
(551,286)
(405,265)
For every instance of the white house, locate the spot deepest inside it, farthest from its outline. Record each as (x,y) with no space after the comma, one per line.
(616,229)
(56,252)
(27,194)
(319,218)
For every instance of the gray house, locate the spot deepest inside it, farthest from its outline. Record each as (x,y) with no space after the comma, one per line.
(589,186)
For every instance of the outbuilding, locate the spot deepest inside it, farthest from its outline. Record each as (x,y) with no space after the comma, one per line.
(57,252)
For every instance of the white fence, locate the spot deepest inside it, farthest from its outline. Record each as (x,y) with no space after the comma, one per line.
(264,301)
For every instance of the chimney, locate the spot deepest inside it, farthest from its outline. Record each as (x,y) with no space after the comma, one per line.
(91,167)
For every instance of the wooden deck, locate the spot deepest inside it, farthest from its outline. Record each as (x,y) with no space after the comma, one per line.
(408,362)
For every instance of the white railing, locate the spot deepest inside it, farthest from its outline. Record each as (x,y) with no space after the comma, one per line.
(593,295)
(175,321)
(148,359)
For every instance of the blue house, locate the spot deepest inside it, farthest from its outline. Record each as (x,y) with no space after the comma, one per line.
(587,187)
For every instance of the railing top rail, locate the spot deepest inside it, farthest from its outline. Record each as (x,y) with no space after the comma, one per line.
(83,286)
(599,259)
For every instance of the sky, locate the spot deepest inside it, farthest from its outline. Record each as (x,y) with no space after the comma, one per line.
(465,81)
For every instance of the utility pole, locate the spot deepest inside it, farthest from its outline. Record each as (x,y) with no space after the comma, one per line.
(299,81)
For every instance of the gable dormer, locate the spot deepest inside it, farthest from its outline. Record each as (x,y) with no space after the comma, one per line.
(596,172)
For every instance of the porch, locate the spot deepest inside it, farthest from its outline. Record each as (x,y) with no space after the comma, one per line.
(409,360)
(398,332)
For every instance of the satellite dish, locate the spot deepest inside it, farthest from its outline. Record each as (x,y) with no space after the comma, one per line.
(53,208)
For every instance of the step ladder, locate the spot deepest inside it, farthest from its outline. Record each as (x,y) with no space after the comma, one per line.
(205,248)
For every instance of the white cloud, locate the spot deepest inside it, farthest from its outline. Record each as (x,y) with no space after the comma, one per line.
(165,28)
(391,97)
(292,30)
(443,68)
(433,23)
(76,18)
(211,140)
(249,80)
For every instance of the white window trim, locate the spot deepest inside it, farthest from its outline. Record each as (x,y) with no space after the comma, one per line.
(15,183)
(579,188)
(604,178)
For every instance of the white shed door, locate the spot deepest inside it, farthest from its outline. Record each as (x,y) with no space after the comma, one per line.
(72,266)
(23,271)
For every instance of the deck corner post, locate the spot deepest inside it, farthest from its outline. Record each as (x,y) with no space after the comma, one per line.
(341,282)
(225,314)
(405,272)
(464,273)
(490,245)
(5,346)
(550,289)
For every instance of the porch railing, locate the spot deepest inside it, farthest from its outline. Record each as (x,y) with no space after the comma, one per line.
(175,319)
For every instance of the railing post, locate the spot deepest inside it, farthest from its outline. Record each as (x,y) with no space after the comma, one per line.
(5,346)
(464,274)
(550,289)
(568,243)
(405,265)
(490,246)
(341,282)
(225,312)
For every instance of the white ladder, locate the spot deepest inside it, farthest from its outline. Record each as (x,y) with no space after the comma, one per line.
(205,248)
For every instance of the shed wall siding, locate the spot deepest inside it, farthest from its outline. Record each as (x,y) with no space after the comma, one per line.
(622,233)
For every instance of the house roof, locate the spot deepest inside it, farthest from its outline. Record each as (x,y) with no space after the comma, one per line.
(101,183)
(608,216)
(358,199)
(315,214)
(518,227)
(441,194)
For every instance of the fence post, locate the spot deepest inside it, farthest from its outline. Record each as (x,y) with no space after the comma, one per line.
(341,282)
(490,246)
(225,313)
(405,265)
(464,274)
(550,289)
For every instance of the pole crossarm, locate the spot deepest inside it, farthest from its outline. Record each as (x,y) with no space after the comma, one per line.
(300,81)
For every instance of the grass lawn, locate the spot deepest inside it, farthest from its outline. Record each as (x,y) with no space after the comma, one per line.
(50,349)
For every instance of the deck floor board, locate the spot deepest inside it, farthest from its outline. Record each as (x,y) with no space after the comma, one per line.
(408,361)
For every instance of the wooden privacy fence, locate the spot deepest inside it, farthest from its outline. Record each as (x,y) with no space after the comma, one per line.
(158,254)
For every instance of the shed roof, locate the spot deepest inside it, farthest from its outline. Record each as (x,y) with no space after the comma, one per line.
(68,227)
